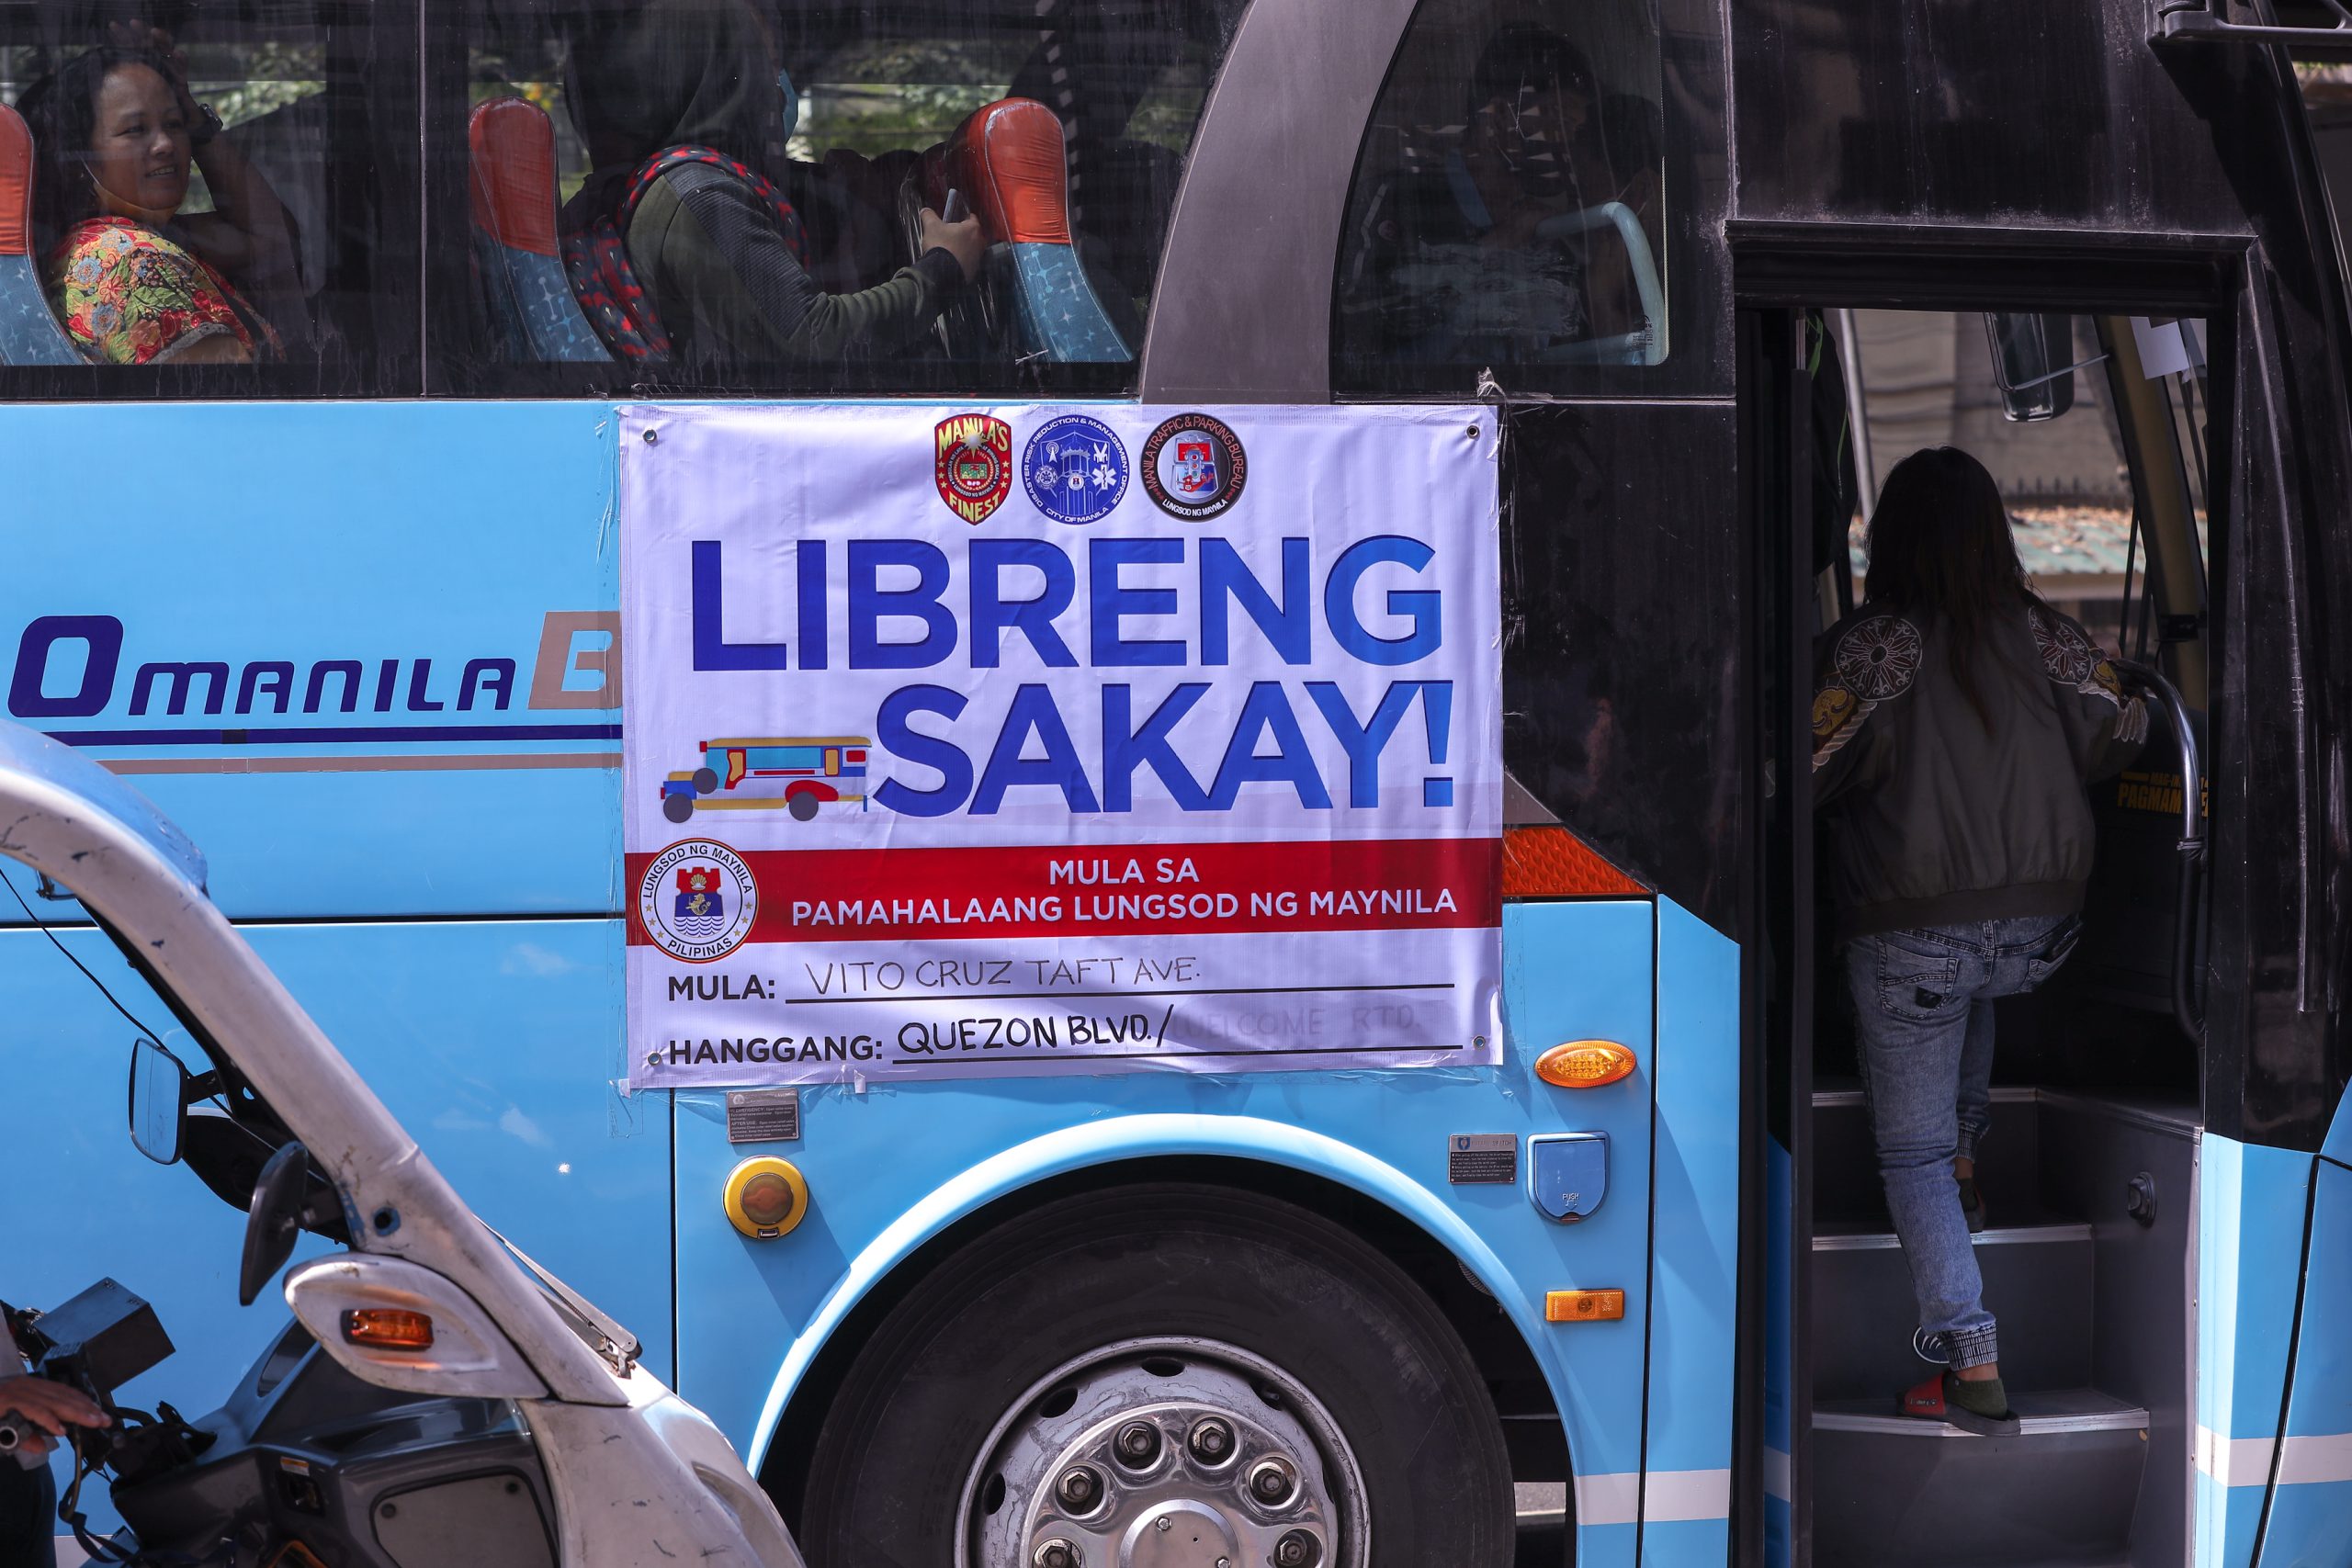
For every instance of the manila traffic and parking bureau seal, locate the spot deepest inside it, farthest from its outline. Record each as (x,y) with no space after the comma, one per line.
(696,900)
(1194,467)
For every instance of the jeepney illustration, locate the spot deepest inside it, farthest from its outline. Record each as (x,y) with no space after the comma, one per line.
(792,772)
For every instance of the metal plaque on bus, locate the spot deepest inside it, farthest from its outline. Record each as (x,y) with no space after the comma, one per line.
(762,1115)
(1482,1158)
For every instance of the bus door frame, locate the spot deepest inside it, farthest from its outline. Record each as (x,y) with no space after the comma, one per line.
(1780,270)
(1775,438)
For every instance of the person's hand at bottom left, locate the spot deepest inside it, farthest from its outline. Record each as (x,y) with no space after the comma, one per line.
(45,1409)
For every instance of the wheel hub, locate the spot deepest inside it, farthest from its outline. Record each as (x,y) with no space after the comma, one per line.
(1180,1533)
(1170,1454)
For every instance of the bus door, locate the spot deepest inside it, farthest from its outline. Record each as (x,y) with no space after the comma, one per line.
(2096,1106)
(2129,1250)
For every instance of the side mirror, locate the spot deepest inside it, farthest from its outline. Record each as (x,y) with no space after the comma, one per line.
(158,1102)
(279,1215)
(2033,363)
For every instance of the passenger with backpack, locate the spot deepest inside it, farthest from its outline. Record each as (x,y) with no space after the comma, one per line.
(684,246)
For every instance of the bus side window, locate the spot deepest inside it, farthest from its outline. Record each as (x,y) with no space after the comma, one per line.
(1509,204)
(215,209)
(1064,136)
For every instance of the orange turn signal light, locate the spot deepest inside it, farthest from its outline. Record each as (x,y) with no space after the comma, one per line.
(1585,1064)
(1583,1307)
(382,1328)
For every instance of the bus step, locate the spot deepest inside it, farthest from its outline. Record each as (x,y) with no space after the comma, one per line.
(2037,1282)
(1889,1489)
(1845,1187)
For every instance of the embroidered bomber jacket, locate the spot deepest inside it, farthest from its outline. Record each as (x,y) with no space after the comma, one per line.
(1932,817)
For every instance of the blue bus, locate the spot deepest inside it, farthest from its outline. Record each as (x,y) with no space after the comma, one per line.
(348,600)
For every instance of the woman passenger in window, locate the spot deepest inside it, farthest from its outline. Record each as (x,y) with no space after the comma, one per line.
(681,246)
(1956,721)
(134,282)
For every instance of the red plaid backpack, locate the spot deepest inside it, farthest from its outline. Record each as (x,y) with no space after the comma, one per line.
(596,260)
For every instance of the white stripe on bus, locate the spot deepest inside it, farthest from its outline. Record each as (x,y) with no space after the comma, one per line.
(1618,1498)
(2246,1462)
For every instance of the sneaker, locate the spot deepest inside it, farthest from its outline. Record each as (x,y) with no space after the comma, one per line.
(1979,1407)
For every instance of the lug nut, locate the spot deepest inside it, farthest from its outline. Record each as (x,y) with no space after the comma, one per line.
(1211,1440)
(1080,1489)
(1297,1549)
(1137,1445)
(1057,1553)
(1273,1482)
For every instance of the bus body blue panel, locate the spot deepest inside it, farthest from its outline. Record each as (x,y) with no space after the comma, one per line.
(1694,1259)
(85,1203)
(493,1043)
(2250,1211)
(895,1164)
(461,600)
(497,1043)
(2311,1502)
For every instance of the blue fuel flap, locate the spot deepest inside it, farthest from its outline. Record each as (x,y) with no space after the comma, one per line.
(1567,1173)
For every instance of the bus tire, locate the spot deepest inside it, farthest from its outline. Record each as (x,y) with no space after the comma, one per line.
(802,805)
(706,780)
(677,807)
(960,1382)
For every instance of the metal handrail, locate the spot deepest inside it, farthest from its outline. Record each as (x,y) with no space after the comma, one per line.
(2200,21)
(1648,344)
(2191,844)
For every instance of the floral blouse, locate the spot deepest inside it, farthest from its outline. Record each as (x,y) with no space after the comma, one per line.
(129,294)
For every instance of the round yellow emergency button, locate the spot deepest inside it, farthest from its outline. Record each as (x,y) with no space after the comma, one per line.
(765,1197)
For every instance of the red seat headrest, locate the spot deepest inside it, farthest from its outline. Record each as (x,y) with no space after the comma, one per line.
(1008,160)
(513,175)
(16,185)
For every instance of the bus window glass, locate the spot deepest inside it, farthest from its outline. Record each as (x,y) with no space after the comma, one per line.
(2327,98)
(211,217)
(947,195)
(1508,205)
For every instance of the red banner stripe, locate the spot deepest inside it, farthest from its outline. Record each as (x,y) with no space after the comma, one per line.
(1170,890)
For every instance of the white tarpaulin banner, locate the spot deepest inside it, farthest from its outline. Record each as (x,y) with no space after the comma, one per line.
(1036,738)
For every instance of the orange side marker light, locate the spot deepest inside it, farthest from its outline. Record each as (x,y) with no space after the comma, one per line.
(1585,1064)
(383,1328)
(1583,1307)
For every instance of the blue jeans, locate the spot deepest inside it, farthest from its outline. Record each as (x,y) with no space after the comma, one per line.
(1924,1002)
(27,1509)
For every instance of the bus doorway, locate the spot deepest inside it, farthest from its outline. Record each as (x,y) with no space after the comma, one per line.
(2094,427)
